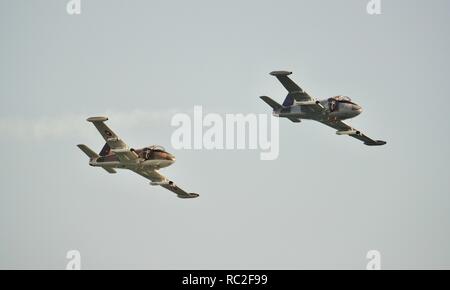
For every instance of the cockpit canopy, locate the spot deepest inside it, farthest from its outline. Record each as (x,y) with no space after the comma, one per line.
(155,152)
(342,98)
(156,148)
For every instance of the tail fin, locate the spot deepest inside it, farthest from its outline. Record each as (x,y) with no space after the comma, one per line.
(289,101)
(91,154)
(271,103)
(88,151)
(106,150)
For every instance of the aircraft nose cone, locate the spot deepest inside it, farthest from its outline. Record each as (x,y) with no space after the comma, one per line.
(357,109)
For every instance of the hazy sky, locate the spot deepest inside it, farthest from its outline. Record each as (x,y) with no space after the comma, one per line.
(324,203)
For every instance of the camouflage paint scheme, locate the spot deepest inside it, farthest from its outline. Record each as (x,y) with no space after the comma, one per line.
(300,105)
(145,162)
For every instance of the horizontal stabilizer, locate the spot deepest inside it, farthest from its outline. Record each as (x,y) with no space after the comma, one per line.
(271,103)
(88,151)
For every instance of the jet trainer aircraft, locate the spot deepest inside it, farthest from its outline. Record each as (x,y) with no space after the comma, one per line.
(300,105)
(145,162)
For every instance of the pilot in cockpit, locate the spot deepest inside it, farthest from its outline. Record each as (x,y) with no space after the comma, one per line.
(333,104)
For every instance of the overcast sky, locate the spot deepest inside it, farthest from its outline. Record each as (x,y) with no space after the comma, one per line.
(324,203)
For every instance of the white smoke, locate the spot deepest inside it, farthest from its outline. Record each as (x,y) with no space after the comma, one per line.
(75,125)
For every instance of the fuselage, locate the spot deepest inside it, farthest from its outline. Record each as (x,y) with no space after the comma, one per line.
(338,108)
(154,158)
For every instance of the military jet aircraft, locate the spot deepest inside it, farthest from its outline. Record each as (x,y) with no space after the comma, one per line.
(300,105)
(145,162)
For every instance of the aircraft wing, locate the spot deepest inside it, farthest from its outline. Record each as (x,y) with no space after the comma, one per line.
(294,90)
(157,178)
(117,146)
(344,129)
(297,93)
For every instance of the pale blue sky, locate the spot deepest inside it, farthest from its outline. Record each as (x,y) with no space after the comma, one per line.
(324,203)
